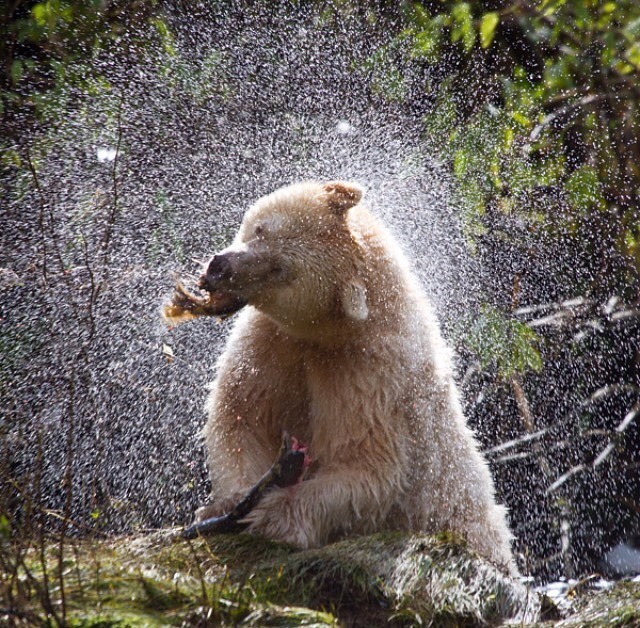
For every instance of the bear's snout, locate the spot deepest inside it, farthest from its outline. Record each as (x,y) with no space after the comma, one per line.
(219,264)
(241,271)
(221,273)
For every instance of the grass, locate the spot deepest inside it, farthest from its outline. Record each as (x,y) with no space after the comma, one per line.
(229,580)
(617,607)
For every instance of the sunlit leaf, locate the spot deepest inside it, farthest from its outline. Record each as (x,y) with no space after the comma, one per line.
(633,55)
(40,13)
(462,29)
(520,118)
(505,344)
(632,29)
(488,26)
(420,15)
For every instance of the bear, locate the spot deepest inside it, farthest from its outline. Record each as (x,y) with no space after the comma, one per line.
(338,345)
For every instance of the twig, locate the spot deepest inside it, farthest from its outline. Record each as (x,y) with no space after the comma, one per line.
(557,445)
(523,404)
(34,176)
(551,117)
(603,455)
(113,213)
(52,513)
(68,480)
(516,442)
(43,231)
(114,178)
(93,288)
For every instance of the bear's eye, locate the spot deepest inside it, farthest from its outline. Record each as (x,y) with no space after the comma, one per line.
(259,231)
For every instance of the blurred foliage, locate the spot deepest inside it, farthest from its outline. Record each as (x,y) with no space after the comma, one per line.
(534,108)
(48,50)
(540,100)
(535,99)
(506,345)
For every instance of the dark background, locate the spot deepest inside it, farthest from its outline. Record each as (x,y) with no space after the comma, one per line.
(499,141)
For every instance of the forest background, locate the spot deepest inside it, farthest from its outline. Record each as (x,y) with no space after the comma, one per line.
(529,110)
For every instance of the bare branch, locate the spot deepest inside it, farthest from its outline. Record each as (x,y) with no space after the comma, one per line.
(603,455)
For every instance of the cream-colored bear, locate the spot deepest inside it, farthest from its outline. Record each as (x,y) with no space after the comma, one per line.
(340,347)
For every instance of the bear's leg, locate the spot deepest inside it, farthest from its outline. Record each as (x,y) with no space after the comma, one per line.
(257,393)
(332,502)
(488,534)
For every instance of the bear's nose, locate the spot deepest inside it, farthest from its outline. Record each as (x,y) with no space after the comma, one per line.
(219,269)
(219,265)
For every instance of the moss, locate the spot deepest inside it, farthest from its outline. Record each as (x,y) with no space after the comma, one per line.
(239,579)
(394,579)
(619,606)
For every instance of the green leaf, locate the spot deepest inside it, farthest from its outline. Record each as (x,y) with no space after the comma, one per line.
(488,26)
(460,163)
(166,36)
(5,527)
(505,344)
(462,29)
(40,13)
(16,71)
(10,157)
(633,55)
(584,189)
(420,16)
(426,41)
(425,44)
(632,30)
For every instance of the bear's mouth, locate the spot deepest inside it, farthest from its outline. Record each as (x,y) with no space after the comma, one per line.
(220,303)
(223,304)
(186,306)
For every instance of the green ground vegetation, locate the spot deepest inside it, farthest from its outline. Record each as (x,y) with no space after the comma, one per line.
(156,580)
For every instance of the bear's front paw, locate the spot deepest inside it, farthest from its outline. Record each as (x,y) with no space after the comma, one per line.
(276,517)
(218,508)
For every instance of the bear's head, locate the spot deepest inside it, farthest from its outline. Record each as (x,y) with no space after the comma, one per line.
(295,259)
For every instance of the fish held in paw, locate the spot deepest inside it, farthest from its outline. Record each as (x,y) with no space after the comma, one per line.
(288,469)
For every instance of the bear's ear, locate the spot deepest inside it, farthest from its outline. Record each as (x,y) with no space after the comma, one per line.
(341,196)
(354,300)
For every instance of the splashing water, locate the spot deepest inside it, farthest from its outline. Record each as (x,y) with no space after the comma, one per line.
(102,404)
(139,180)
